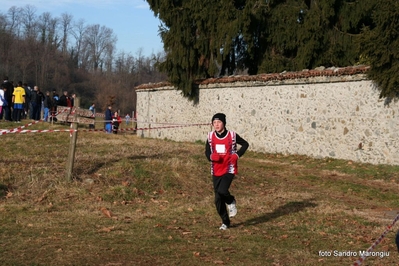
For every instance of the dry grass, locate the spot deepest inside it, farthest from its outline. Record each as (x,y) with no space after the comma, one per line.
(136,201)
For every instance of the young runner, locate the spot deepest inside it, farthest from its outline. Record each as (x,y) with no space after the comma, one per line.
(221,151)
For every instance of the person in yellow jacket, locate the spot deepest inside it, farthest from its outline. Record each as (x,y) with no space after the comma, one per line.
(18,99)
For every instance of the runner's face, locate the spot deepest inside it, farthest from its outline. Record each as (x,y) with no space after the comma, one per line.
(218,126)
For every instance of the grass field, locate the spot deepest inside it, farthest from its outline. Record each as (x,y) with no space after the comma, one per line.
(137,201)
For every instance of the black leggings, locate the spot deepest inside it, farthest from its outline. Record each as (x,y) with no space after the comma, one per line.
(221,185)
(17,114)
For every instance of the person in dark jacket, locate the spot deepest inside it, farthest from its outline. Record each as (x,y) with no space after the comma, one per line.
(28,107)
(53,111)
(47,105)
(36,99)
(108,119)
(221,151)
(64,100)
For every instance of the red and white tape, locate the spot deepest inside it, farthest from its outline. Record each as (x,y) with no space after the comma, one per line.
(43,130)
(14,130)
(370,249)
(174,126)
(21,130)
(169,123)
(144,128)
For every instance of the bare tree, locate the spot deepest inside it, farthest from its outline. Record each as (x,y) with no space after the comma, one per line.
(3,23)
(6,43)
(57,52)
(99,43)
(28,19)
(66,24)
(48,30)
(46,47)
(14,18)
(24,48)
(76,51)
(109,57)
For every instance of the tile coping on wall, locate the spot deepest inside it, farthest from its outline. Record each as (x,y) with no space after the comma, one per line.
(273,77)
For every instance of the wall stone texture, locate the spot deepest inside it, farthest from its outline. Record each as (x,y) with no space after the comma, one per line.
(319,113)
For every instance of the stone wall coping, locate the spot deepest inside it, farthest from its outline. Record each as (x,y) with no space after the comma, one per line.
(306,76)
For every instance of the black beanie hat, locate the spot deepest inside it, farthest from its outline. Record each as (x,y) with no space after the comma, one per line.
(219,116)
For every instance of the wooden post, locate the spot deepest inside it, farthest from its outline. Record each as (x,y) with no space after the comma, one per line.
(72,144)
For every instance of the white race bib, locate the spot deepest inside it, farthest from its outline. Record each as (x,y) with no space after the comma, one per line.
(220,148)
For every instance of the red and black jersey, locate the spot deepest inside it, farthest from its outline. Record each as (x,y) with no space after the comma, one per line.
(229,140)
(225,147)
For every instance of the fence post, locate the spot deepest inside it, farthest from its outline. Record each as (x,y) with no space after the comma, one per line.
(72,144)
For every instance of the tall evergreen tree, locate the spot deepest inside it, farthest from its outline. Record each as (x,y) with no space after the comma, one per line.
(379,46)
(218,37)
(307,34)
(178,33)
(202,39)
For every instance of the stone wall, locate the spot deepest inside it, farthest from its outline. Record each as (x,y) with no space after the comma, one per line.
(318,114)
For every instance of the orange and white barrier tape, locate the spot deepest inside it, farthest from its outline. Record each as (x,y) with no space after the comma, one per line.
(365,254)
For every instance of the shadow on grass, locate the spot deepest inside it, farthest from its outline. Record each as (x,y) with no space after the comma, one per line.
(290,207)
(3,190)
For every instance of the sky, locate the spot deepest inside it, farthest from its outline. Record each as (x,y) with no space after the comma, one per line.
(132,21)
